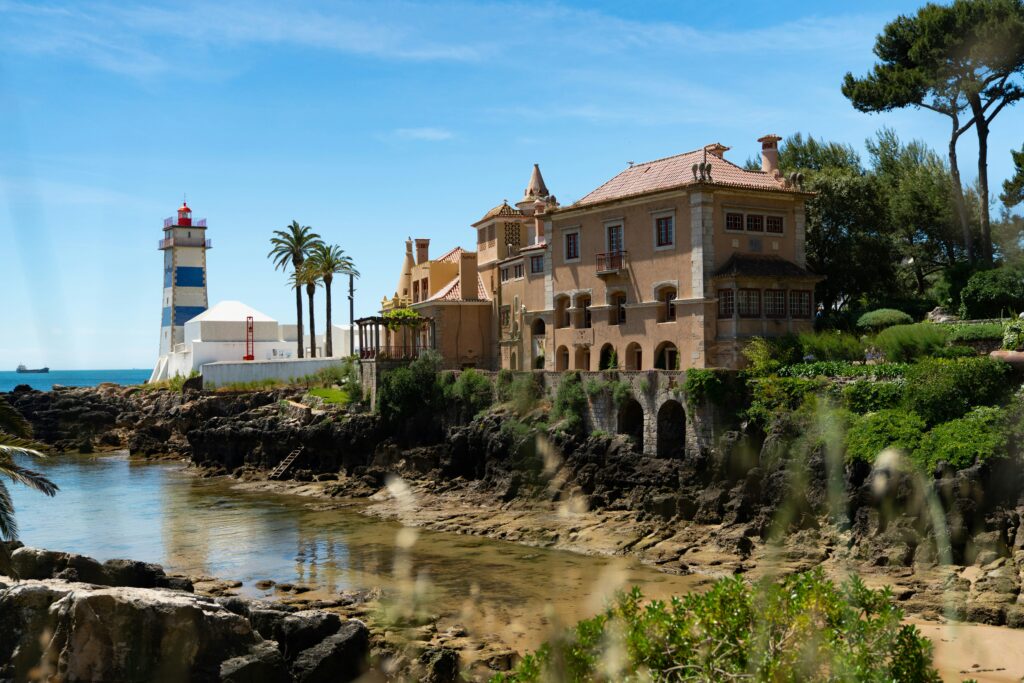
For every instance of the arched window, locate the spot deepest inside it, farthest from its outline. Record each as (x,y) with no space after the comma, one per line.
(609,359)
(537,328)
(562,359)
(582,358)
(666,304)
(666,356)
(634,357)
(617,311)
(562,312)
(514,361)
(586,318)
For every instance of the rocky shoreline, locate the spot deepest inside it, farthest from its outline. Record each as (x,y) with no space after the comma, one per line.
(734,508)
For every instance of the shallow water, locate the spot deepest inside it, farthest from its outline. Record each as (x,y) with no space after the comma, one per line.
(110,507)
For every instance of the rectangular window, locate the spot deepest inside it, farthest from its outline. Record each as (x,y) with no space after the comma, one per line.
(490,233)
(512,235)
(572,246)
(726,303)
(734,221)
(416,291)
(799,303)
(748,303)
(504,274)
(614,238)
(517,271)
(537,264)
(773,224)
(775,303)
(755,222)
(506,315)
(665,231)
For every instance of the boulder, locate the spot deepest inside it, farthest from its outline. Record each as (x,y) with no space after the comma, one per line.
(337,659)
(264,664)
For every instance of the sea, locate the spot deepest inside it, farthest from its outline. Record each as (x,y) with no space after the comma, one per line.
(72,378)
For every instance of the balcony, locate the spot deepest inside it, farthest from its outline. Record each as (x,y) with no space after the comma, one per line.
(611,262)
(172,222)
(169,242)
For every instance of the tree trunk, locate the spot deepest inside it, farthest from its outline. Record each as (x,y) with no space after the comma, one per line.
(981,125)
(958,195)
(310,289)
(351,315)
(329,344)
(298,316)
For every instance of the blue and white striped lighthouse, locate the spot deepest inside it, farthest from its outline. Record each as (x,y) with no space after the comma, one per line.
(184,246)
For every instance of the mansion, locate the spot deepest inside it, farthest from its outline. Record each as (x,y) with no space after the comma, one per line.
(671,264)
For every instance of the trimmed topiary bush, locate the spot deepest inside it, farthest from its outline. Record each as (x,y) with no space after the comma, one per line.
(968,332)
(941,390)
(873,433)
(883,317)
(903,343)
(993,294)
(832,345)
(801,628)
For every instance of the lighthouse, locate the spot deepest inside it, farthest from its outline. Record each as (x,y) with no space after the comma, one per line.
(184,246)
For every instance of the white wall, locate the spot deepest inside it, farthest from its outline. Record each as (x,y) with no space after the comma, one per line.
(223,373)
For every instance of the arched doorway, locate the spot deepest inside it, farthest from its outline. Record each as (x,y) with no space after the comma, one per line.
(582,358)
(562,359)
(671,429)
(634,357)
(609,359)
(537,327)
(631,423)
(666,357)
(537,330)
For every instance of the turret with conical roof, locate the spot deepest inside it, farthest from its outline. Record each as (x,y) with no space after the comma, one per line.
(536,193)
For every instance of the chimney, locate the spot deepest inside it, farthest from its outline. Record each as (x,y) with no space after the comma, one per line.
(468,276)
(717,149)
(770,154)
(422,250)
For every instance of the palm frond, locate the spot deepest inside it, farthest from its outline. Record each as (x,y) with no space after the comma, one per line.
(13,422)
(23,475)
(17,445)
(8,524)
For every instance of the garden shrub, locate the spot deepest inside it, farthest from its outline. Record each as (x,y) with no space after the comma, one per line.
(871,434)
(502,384)
(621,391)
(771,396)
(979,435)
(1013,336)
(992,293)
(940,390)
(472,391)
(767,355)
(703,385)
(883,317)
(968,332)
(800,628)
(956,351)
(840,368)
(524,393)
(831,345)
(903,343)
(410,397)
(595,386)
(570,403)
(866,396)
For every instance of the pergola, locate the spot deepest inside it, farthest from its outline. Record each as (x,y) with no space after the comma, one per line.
(395,338)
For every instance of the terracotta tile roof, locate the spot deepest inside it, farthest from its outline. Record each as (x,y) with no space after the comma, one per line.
(453,291)
(452,256)
(677,171)
(761,265)
(502,209)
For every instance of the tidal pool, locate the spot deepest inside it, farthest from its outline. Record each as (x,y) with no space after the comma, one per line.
(113,507)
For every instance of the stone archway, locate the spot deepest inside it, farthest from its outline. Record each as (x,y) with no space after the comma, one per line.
(671,430)
(666,357)
(631,422)
(609,359)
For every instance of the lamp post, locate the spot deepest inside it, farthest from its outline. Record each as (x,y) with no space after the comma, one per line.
(351,313)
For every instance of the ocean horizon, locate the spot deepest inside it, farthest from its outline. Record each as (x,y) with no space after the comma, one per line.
(44,381)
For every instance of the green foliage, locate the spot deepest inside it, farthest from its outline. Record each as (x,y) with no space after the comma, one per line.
(570,403)
(882,318)
(767,355)
(410,397)
(992,293)
(871,434)
(332,395)
(704,385)
(801,628)
(621,391)
(831,345)
(771,396)
(939,390)
(866,396)
(979,435)
(957,351)
(472,391)
(595,386)
(902,343)
(967,332)
(1013,336)
(524,393)
(503,383)
(835,368)
(395,317)
(1013,187)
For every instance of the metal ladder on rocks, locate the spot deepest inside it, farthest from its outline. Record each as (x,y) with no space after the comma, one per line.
(283,466)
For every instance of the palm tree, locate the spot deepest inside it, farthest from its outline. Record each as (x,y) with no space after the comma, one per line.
(291,246)
(15,439)
(307,275)
(328,262)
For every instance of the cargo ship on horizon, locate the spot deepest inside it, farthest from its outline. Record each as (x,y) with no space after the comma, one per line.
(23,370)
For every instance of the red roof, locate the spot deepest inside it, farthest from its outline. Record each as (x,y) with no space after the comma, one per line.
(677,171)
(183,207)
(453,291)
(452,256)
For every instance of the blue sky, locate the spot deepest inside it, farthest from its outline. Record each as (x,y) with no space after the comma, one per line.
(371,122)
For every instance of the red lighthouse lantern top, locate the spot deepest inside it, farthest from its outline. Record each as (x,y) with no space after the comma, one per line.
(184,214)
